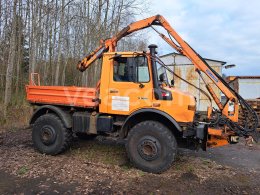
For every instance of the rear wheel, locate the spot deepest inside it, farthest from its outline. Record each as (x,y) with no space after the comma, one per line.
(50,136)
(151,146)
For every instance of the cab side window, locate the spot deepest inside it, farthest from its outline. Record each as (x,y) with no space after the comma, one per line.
(120,70)
(142,70)
(131,69)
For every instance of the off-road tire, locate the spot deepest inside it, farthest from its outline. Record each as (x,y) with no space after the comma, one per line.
(61,136)
(154,135)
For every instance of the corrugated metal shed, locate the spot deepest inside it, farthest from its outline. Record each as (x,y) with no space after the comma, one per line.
(183,67)
(247,86)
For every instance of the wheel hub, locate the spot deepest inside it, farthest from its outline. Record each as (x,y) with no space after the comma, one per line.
(48,135)
(149,148)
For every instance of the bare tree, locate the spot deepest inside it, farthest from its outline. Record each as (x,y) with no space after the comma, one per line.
(11,60)
(51,36)
(57,74)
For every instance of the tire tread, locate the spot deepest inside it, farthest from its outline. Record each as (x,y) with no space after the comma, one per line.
(165,133)
(67,133)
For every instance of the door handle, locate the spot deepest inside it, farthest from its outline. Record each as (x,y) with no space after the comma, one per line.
(141,85)
(113,91)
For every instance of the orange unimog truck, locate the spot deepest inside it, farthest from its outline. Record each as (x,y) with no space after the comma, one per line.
(135,102)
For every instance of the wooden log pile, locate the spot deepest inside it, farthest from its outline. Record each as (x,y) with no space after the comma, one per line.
(255,104)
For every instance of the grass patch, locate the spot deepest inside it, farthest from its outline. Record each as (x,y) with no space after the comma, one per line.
(23,170)
(17,116)
(190,169)
(126,166)
(141,173)
(177,167)
(243,179)
(102,153)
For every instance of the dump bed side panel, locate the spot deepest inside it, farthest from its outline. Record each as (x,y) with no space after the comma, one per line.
(62,95)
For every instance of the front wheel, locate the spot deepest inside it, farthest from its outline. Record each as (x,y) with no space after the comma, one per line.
(151,146)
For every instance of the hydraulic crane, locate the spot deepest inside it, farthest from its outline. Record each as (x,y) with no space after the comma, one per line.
(231,107)
(135,102)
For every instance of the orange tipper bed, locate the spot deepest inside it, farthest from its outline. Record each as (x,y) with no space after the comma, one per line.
(62,95)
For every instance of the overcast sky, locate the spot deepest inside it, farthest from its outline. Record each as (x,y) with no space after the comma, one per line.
(226,30)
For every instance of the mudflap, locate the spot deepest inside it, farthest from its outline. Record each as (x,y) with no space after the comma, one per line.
(202,136)
(204,141)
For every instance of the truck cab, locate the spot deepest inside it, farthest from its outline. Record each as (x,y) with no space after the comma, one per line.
(130,81)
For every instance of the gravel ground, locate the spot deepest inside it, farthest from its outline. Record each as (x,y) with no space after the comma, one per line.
(95,167)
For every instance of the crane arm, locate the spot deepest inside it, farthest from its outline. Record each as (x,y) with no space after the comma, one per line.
(110,44)
(202,66)
(248,126)
(182,47)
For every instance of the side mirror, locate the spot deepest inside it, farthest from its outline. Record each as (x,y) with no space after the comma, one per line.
(172,82)
(162,77)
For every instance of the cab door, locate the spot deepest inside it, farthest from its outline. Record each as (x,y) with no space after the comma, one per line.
(130,85)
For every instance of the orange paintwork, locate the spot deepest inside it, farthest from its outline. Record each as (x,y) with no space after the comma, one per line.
(141,97)
(217,137)
(60,95)
(216,141)
(130,94)
(234,115)
(181,46)
(138,97)
(212,131)
(209,112)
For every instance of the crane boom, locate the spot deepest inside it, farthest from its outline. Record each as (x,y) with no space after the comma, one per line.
(182,47)
(230,109)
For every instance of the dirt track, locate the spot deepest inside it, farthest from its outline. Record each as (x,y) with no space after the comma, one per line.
(98,168)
